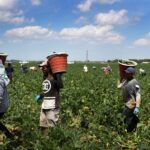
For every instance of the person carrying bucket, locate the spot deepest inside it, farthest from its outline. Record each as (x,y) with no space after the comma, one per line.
(50,107)
(4,102)
(132,99)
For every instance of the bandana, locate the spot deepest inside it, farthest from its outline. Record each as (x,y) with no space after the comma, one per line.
(3,74)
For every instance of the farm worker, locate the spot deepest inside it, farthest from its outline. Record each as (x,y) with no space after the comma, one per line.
(9,71)
(109,68)
(106,71)
(50,98)
(85,68)
(24,68)
(142,72)
(4,102)
(94,68)
(132,99)
(42,66)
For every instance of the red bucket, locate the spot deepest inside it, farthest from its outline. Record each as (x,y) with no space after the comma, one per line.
(58,62)
(3,57)
(123,65)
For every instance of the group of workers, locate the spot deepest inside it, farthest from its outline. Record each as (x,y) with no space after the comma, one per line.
(106,70)
(52,83)
(50,97)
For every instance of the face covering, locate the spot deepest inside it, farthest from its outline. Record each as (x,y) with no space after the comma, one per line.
(3,75)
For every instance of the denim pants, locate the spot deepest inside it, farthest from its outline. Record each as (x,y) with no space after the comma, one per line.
(130,120)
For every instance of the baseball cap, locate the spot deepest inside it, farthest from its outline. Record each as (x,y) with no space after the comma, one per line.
(130,70)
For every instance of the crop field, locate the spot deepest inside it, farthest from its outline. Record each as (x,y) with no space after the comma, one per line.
(90,116)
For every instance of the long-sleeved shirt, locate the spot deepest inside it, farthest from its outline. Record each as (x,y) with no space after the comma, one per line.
(4,102)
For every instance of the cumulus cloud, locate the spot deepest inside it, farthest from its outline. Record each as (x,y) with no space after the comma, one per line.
(11,17)
(81,20)
(29,32)
(143,41)
(112,17)
(7,4)
(36,2)
(90,32)
(10,14)
(88,3)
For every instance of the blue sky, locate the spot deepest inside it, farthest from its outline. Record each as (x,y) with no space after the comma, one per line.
(107,29)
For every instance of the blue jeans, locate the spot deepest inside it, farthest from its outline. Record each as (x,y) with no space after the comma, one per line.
(130,120)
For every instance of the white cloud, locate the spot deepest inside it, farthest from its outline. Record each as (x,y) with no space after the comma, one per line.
(143,41)
(29,32)
(36,2)
(9,13)
(112,18)
(88,3)
(11,17)
(90,32)
(7,4)
(85,6)
(81,20)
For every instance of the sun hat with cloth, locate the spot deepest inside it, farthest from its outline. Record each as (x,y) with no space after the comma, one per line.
(44,63)
(3,75)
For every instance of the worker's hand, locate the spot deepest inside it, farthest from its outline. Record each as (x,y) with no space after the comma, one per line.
(37,98)
(136,110)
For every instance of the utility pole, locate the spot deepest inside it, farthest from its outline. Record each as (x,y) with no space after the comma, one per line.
(87,59)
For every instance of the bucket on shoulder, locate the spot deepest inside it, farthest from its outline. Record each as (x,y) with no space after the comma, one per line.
(123,65)
(58,62)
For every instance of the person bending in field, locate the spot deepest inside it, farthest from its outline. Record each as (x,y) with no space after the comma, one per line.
(142,72)
(4,102)
(132,99)
(50,98)
(9,71)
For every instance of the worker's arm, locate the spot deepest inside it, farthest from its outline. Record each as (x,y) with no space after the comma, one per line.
(138,96)
(120,84)
(138,100)
(58,80)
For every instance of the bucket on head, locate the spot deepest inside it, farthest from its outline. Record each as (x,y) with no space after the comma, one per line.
(58,62)
(123,65)
(3,57)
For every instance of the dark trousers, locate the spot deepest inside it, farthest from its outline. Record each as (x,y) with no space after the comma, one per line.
(130,120)
(4,129)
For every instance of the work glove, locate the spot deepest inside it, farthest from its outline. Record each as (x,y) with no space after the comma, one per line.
(37,98)
(136,110)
